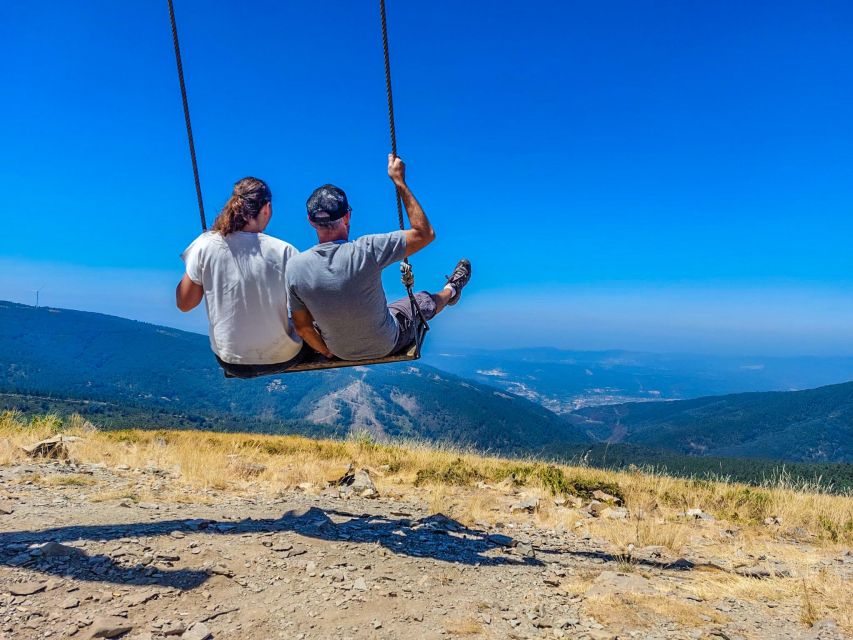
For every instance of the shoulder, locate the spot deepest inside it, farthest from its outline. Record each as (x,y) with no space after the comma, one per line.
(277,244)
(378,239)
(297,263)
(202,242)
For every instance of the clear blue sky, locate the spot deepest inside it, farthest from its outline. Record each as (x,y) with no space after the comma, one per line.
(659,175)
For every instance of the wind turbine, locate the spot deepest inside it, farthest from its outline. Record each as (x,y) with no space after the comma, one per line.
(36,291)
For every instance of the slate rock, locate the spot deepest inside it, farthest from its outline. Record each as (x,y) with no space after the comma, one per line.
(110,627)
(54,447)
(600,495)
(614,513)
(698,514)
(359,483)
(529,504)
(501,540)
(596,507)
(197,631)
(56,550)
(27,588)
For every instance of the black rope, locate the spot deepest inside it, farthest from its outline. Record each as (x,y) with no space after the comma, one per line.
(391,124)
(187,114)
(408,276)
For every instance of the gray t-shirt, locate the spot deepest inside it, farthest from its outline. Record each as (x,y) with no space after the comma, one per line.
(340,284)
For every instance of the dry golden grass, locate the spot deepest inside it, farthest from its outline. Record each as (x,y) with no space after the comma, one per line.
(219,461)
(639,611)
(464,627)
(68,480)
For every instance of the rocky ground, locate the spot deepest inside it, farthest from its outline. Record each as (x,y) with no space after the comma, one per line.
(329,564)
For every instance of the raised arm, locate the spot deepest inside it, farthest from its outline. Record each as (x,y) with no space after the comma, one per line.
(188,294)
(303,322)
(421,232)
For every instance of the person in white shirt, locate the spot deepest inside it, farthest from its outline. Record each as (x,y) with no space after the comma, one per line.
(239,272)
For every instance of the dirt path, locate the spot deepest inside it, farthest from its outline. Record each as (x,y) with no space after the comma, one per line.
(320,566)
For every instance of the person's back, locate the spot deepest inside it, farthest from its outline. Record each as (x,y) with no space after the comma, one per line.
(239,272)
(336,296)
(243,277)
(341,282)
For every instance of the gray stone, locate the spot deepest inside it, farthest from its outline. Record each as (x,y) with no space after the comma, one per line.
(529,504)
(6,508)
(174,629)
(595,508)
(54,447)
(698,514)
(197,631)
(56,550)
(69,603)
(615,513)
(600,495)
(110,627)
(501,540)
(26,588)
(356,482)
(362,485)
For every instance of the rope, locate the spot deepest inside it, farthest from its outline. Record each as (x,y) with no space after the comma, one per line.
(390,96)
(187,114)
(407,275)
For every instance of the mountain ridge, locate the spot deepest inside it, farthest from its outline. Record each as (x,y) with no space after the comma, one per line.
(78,354)
(811,425)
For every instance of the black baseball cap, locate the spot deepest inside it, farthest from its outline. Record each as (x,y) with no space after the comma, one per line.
(327,204)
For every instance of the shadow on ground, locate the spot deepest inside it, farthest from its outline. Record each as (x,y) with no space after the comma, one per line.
(436,537)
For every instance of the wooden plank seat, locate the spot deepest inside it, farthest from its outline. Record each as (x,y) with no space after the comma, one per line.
(317,362)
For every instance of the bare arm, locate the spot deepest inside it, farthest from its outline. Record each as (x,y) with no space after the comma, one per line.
(303,322)
(188,294)
(421,232)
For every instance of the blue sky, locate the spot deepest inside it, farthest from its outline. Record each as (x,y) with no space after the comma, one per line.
(665,176)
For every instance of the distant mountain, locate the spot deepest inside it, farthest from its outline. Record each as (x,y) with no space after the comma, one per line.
(814,425)
(75,354)
(564,381)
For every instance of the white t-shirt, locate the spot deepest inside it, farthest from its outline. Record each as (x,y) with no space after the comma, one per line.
(245,294)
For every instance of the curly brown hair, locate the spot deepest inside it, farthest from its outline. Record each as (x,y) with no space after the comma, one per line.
(246,201)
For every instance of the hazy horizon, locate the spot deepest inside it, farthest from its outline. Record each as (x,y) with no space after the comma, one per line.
(701,320)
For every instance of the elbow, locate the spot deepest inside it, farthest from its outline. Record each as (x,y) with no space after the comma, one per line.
(180,303)
(426,237)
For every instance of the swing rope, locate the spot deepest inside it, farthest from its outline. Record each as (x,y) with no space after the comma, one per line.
(407,275)
(187,114)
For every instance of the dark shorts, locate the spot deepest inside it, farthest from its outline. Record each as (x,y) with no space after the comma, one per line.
(257,370)
(407,318)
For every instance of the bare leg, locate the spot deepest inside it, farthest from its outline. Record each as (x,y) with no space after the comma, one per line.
(441,299)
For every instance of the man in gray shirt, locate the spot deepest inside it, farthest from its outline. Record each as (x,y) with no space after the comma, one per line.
(336,296)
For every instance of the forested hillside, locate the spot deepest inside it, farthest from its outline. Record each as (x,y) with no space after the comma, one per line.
(813,425)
